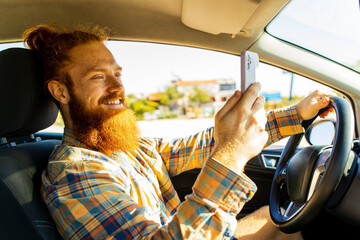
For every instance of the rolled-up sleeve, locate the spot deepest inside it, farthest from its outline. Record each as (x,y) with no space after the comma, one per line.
(282,123)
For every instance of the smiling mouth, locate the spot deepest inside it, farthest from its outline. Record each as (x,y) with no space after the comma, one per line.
(113,102)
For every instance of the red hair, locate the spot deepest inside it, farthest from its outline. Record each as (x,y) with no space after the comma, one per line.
(53,44)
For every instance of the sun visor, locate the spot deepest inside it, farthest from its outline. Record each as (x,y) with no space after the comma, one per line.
(218,16)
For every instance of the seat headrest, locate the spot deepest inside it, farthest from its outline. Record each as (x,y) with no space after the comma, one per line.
(24,106)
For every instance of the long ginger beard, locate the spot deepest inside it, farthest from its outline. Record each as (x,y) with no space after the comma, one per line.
(107,131)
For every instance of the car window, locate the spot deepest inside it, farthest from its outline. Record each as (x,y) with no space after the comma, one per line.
(176,91)
(282,88)
(327,27)
(4,46)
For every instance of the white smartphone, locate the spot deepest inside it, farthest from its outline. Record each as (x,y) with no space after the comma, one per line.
(249,63)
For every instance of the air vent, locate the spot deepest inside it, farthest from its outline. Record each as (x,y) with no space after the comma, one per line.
(270,161)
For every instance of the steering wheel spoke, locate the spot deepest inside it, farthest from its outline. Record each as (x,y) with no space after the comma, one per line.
(281,176)
(319,170)
(292,209)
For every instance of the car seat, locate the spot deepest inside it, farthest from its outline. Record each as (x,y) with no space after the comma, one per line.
(24,110)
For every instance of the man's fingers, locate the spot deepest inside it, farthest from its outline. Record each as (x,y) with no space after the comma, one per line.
(260,118)
(251,94)
(323,102)
(244,104)
(231,102)
(326,113)
(258,104)
(310,105)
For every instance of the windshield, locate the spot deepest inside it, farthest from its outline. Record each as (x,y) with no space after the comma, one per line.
(330,28)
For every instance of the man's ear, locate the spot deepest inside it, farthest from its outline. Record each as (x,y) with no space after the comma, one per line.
(59,91)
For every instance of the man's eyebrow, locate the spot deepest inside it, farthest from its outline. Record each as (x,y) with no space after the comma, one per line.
(99,69)
(118,68)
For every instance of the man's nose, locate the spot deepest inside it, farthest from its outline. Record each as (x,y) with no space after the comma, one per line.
(115,84)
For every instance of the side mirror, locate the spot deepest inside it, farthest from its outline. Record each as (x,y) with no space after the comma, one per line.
(321,132)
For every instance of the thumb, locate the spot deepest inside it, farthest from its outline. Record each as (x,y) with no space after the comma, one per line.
(323,102)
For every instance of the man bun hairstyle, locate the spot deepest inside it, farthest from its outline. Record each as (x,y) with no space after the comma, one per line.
(53,43)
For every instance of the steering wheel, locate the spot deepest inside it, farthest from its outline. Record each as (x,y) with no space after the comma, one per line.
(304,180)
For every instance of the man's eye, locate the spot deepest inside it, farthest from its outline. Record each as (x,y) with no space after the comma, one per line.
(118,74)
(98,77)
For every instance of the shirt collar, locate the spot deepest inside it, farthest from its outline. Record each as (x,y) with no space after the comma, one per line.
(69,138)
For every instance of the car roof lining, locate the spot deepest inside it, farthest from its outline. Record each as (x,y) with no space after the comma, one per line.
(143,20)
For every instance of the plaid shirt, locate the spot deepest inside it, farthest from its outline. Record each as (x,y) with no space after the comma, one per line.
(130,196)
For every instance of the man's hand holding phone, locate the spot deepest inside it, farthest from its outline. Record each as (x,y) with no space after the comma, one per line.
(240,129)
(240,125)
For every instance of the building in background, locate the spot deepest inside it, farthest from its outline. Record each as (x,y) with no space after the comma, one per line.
(198,98)
(217,91)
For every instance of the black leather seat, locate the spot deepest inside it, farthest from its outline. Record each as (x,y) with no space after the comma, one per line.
(24,110)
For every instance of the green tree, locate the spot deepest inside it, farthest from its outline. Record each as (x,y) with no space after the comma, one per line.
(140,106)
(199,96)
(170,96)
(173,93)
(164,100)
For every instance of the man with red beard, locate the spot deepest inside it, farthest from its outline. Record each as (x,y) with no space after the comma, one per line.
(106,182)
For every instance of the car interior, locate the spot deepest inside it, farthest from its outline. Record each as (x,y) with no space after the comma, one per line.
(225,26)
(27,110)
